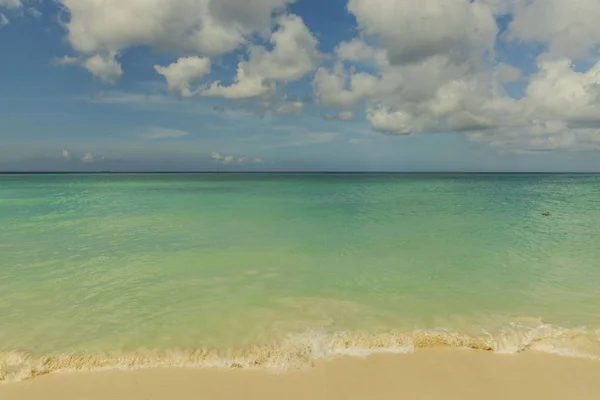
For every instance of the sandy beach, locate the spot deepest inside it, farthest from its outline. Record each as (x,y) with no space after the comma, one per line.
(429,374)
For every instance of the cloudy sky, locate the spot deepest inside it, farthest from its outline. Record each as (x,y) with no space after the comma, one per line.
(474,85)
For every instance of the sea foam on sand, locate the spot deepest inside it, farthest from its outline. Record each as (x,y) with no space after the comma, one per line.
(445,374)
(301,351)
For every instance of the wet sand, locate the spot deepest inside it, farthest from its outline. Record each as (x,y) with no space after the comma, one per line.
(427,374)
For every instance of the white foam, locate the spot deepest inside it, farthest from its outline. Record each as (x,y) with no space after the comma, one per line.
(302,350)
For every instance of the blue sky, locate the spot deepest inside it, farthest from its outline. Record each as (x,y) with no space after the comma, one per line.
(479,86)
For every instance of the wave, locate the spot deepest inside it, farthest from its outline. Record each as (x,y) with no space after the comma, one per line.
(303,350)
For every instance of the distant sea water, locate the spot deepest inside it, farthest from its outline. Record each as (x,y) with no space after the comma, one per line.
(277,271)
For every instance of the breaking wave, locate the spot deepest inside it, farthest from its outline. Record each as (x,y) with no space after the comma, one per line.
(303,350)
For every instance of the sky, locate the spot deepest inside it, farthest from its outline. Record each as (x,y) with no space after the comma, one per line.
(304,85)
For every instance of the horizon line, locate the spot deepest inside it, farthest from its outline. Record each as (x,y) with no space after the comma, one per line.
(295,172)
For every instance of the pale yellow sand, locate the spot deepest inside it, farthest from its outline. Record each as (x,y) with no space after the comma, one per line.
(433,374)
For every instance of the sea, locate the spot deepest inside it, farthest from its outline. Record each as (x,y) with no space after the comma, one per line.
(278,271)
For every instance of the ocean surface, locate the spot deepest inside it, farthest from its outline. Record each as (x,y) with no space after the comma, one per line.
(277,271)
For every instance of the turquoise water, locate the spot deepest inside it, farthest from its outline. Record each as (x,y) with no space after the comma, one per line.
(275,271)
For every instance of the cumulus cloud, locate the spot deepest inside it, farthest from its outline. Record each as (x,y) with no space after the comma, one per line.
(245,85)
(10,3)
(507,73)
(180,74)
(87,158)
(560,111)
(415,67)
(78,157)
(34,12)
(430,67)
(464,104)
(557,91)
(3,21)
(338,88)
(232,160)
(253,15)
(357,50)
(289,107)
(540,137)
(413,30)
(100,30)
(210,27)
(159,133)
(103,66)
(294,54)
(66,60)
(569,28)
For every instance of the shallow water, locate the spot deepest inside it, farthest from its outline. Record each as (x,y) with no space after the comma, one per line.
(101,271)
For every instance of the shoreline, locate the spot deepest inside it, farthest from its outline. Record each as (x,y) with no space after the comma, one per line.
(306,350)
(426,374)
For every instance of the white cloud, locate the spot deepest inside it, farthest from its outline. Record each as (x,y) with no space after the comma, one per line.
(232,160)
(289,107)
(209,27)
(569,27)
(457,105)
(198,27)
(3,20)
(66,155)
(413,30)
(438,74)
(66,60)
(10,3)
(87,158)
(390,120)
(560,109)
(389,85)
(104,66)
(337,88)
(254,15)
(507,73)
(294,54)
(159,133)
(180,74)
(35,13)
(417,67)
(358,51)
(540,137)
(557,91)
(245,85)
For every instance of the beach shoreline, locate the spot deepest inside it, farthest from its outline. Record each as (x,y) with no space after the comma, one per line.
(425,374)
